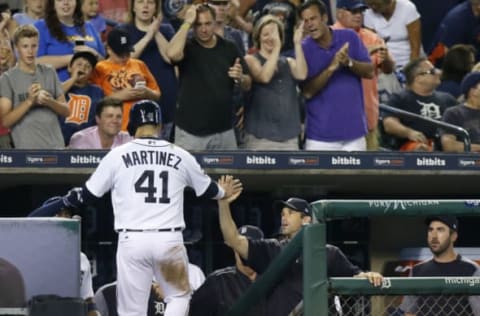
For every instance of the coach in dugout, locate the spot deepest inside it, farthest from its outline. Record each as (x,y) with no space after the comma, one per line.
(258,254)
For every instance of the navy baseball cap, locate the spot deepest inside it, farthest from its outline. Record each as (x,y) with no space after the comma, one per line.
(91,58)
(470,81)
(119,41)
(449,220)
(296,204)
(351,4)
(251,232)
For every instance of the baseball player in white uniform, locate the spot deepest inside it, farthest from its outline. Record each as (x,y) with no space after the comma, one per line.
(147,177)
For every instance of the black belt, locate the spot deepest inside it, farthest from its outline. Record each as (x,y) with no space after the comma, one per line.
(149,230)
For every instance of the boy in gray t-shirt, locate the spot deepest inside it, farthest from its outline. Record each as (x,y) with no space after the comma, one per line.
(31,97)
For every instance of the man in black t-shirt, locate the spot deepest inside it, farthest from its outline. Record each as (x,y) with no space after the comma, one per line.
(258,254)
(442,234)
(210,69)
(419,97)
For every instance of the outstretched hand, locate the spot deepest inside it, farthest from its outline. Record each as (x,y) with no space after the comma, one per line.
(232,187)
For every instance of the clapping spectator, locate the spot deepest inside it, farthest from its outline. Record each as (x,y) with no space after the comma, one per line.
(32,97)
(336,60)
(210,69)
(63,32)
(150,37)
(272,118)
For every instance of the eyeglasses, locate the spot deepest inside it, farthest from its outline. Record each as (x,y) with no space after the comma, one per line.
(432,71)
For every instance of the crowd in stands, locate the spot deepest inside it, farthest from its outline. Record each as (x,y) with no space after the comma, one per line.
(234,74)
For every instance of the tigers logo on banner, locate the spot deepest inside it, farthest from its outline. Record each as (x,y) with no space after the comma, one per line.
(79,105)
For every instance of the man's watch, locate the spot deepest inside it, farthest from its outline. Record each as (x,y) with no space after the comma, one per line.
(350,63)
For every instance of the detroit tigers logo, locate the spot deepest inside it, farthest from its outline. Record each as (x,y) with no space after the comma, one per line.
(79,105)
(430,110)
(122,79)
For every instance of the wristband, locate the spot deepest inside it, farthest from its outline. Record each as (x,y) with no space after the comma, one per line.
(186,25)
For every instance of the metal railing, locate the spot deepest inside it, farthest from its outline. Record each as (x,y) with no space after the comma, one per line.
(456,130)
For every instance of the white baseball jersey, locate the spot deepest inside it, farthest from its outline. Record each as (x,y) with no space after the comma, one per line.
(147,178)
(86,289)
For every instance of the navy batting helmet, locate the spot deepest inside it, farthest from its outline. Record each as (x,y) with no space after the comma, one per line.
(144,112)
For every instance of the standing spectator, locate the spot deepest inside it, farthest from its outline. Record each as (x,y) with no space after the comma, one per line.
(210,69)
(32,97)
(432,13)
(122,77)
(106,134)
(91,14)
(336,60)
(442,233)
(466,115)
(150,38)
(418,97)
(34,10)
(258,254)
(350,15)
(460,26)
(224,287)
(272,118)
(63,32)
(398,23)
(223,30)
(7,61)
(458,62)
(81,95)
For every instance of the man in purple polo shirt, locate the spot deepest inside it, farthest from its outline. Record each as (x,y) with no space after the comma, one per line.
(336,59)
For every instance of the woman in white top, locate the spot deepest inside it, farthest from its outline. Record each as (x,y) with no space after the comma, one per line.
(398,23)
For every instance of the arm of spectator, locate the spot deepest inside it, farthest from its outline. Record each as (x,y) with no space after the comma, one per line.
(264,73)
(230,233)
(126,94)
(56,61)
(146,93)
(152,30)
(374,278)
(236,73)
(177,44)
(298,66)
(162,45)
(381,57)
(362,69)
(11,115)
(58,105)
(68,84)
(414,31)
(314,85)
(245,6)
(451,144)
(393,126)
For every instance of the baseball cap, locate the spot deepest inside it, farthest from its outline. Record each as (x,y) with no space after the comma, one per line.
(297,204)
(469,82)
(351,4)
(91,58)
(251,232)
(119,41)
(449,220)
(12,286)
